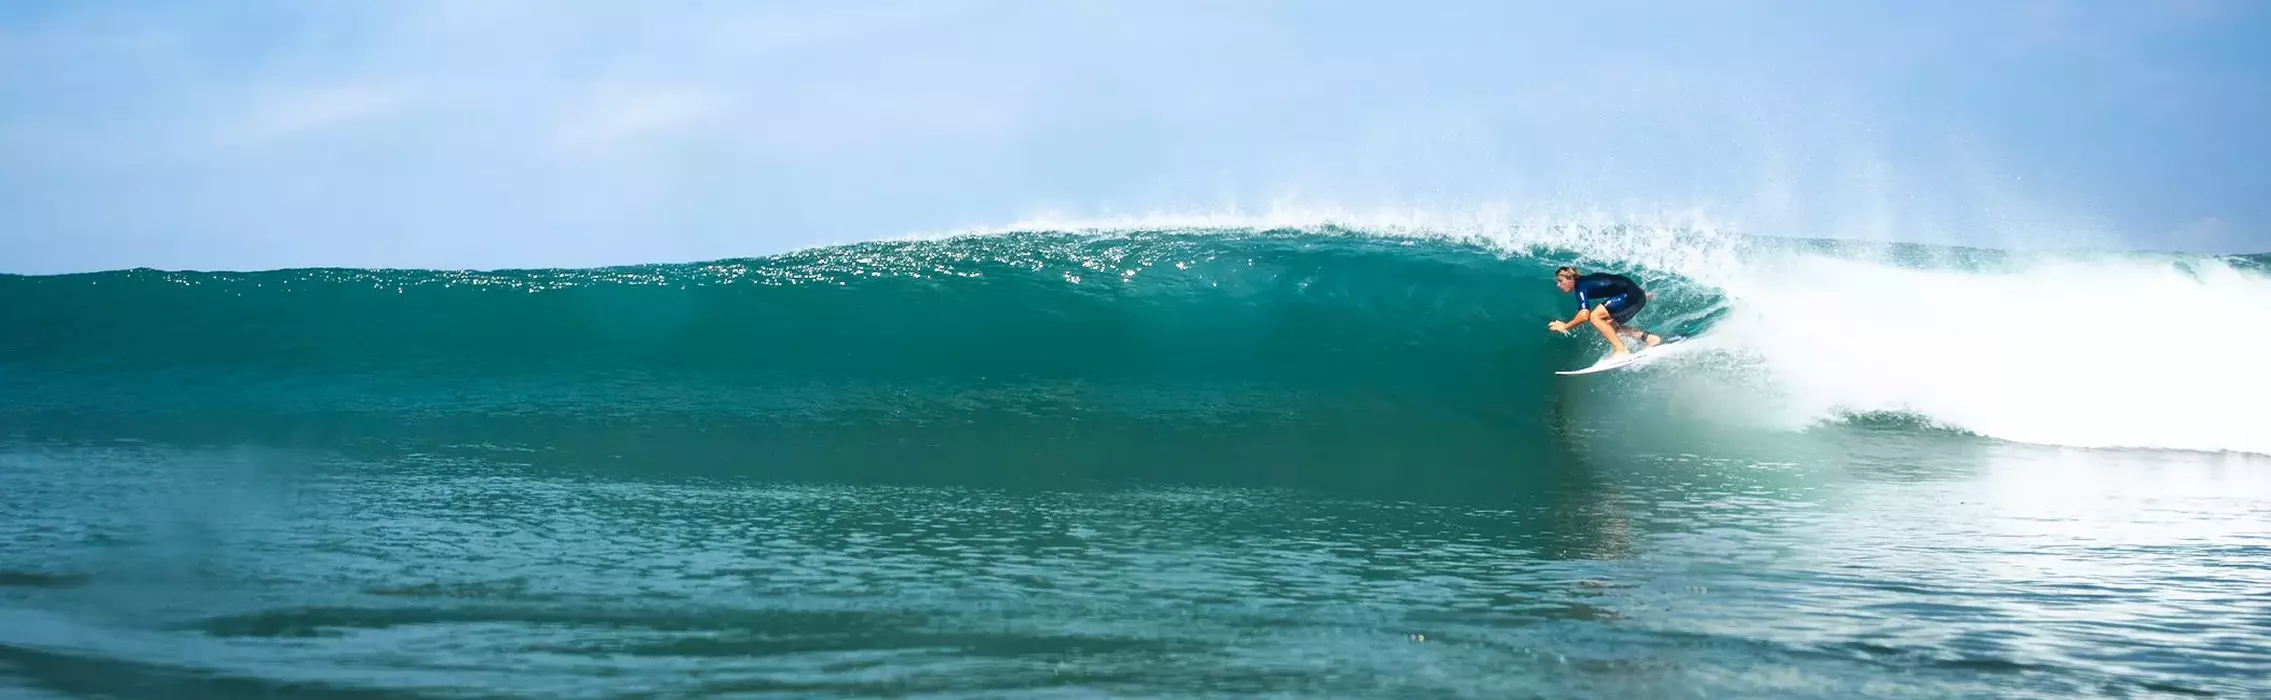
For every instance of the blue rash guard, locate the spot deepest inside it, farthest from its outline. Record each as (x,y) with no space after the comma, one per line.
(1619,293)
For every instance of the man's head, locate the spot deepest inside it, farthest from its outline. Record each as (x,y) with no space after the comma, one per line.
(1565,278)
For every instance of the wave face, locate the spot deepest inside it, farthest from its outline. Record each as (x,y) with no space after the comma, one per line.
(1007,357)
(1142,348)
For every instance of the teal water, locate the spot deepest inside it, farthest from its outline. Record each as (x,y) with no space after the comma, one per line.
(1138,464)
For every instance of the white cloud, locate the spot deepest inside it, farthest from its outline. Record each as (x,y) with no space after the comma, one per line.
(616,115)
(319,109)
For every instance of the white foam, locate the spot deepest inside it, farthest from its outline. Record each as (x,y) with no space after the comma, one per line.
(2104,352)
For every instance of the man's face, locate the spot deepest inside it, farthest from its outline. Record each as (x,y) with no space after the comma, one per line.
(1565,282)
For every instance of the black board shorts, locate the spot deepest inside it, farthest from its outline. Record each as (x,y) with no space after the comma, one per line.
(1623,307)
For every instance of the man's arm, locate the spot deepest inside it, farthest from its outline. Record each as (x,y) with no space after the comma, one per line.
(1564,326)
(1582,311)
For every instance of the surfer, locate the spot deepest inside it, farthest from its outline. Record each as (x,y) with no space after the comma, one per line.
(1619,299)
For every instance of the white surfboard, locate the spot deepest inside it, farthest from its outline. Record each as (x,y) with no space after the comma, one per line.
(1637,357)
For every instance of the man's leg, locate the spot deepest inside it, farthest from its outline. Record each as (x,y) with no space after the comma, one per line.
(1601,322)
(1621,318)
(1650,338)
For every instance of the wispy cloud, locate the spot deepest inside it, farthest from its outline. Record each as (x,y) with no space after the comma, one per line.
(315,110)
(617,115)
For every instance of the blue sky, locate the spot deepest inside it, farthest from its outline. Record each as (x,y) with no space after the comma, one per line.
(456,133)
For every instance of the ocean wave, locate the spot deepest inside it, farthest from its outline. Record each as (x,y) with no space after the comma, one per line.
(1313,322)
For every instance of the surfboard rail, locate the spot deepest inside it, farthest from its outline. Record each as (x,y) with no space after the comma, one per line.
(1637,357)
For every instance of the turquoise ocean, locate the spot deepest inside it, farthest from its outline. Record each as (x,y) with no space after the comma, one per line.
(1146,462)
